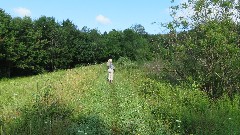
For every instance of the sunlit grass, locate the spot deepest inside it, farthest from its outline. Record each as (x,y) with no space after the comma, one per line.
(87,91)
(132,104)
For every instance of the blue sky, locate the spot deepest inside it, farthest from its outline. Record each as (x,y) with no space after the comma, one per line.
(104,15)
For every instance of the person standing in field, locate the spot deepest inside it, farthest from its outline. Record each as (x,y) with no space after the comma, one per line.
(110,70)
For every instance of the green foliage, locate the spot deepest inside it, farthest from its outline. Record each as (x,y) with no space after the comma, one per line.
(35,46)
(113,44)
(5,42)
(207,51)
(208,58)
(138,28)
(135,46)
(126,63)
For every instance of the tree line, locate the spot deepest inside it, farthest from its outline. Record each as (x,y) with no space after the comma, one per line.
(30,47)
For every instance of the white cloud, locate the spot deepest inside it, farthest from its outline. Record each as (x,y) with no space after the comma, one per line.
(103,20)
(22,11)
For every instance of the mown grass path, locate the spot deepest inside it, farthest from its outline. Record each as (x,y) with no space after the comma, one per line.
(117,103)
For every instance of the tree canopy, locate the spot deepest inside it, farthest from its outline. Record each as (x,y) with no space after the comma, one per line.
(35,46)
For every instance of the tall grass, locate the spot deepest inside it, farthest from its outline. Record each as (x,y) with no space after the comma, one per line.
(82,101)
(190,111)
(77,101)
(26,102)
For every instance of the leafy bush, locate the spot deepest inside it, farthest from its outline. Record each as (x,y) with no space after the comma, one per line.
(211,58)
(125,62)
(204,46)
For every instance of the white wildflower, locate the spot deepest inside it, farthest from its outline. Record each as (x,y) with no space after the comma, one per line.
(178,121)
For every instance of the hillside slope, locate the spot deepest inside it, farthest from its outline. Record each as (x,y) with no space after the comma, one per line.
(84,90)
(81,101)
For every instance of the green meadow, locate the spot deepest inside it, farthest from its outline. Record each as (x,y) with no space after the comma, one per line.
(82,92)
(182,81)
(82,101)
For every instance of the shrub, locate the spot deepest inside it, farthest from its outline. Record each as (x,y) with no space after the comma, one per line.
(125,62)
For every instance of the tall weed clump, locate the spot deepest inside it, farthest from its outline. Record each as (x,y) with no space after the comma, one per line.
(48,115)
(190,111)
